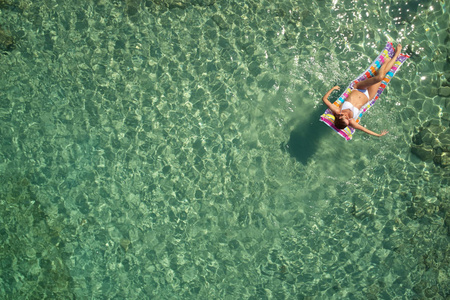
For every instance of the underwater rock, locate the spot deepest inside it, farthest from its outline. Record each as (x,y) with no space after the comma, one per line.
(4,4)
(425,154)
(125,243)
(444,91)
(220,22)
(6,41)
(432,143)
(183,3)
(30,250)
(447,217)
(446,80)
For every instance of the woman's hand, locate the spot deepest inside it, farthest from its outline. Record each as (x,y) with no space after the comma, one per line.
(325,100)
(383,132)
(358,126)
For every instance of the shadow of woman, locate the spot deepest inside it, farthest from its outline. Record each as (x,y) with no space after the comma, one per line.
(304,139)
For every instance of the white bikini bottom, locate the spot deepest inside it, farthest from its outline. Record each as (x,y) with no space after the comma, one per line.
(365,92)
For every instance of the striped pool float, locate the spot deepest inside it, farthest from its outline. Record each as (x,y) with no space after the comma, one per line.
(328,118)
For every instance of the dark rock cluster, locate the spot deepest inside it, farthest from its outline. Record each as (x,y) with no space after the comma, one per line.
(30,248)
(432,143)
(6,41)
(183,3)
(170,4)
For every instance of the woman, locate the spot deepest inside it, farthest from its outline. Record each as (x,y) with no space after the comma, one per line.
(361,94)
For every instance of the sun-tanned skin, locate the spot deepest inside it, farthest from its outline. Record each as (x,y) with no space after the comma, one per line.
(344,118)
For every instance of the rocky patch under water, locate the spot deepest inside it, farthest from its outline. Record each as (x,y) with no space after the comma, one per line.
(432,143)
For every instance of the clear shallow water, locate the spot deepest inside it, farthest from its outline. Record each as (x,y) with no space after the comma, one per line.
(175,152)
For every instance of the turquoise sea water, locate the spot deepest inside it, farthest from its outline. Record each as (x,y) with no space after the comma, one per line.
(172,150)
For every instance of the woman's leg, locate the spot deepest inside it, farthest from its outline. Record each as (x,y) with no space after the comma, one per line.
(373,83)
(373,89)
(381,73)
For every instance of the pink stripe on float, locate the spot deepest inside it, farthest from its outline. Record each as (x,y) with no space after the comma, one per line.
(331,124)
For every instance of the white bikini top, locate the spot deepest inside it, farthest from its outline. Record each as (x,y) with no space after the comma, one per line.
(354,110)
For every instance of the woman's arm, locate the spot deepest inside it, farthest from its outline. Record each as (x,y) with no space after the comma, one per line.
(325,100)
(362,128)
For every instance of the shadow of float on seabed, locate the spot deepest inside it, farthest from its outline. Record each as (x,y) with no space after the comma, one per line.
(304,139)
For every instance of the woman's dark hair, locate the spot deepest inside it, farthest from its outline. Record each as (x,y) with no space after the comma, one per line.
(339,123)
